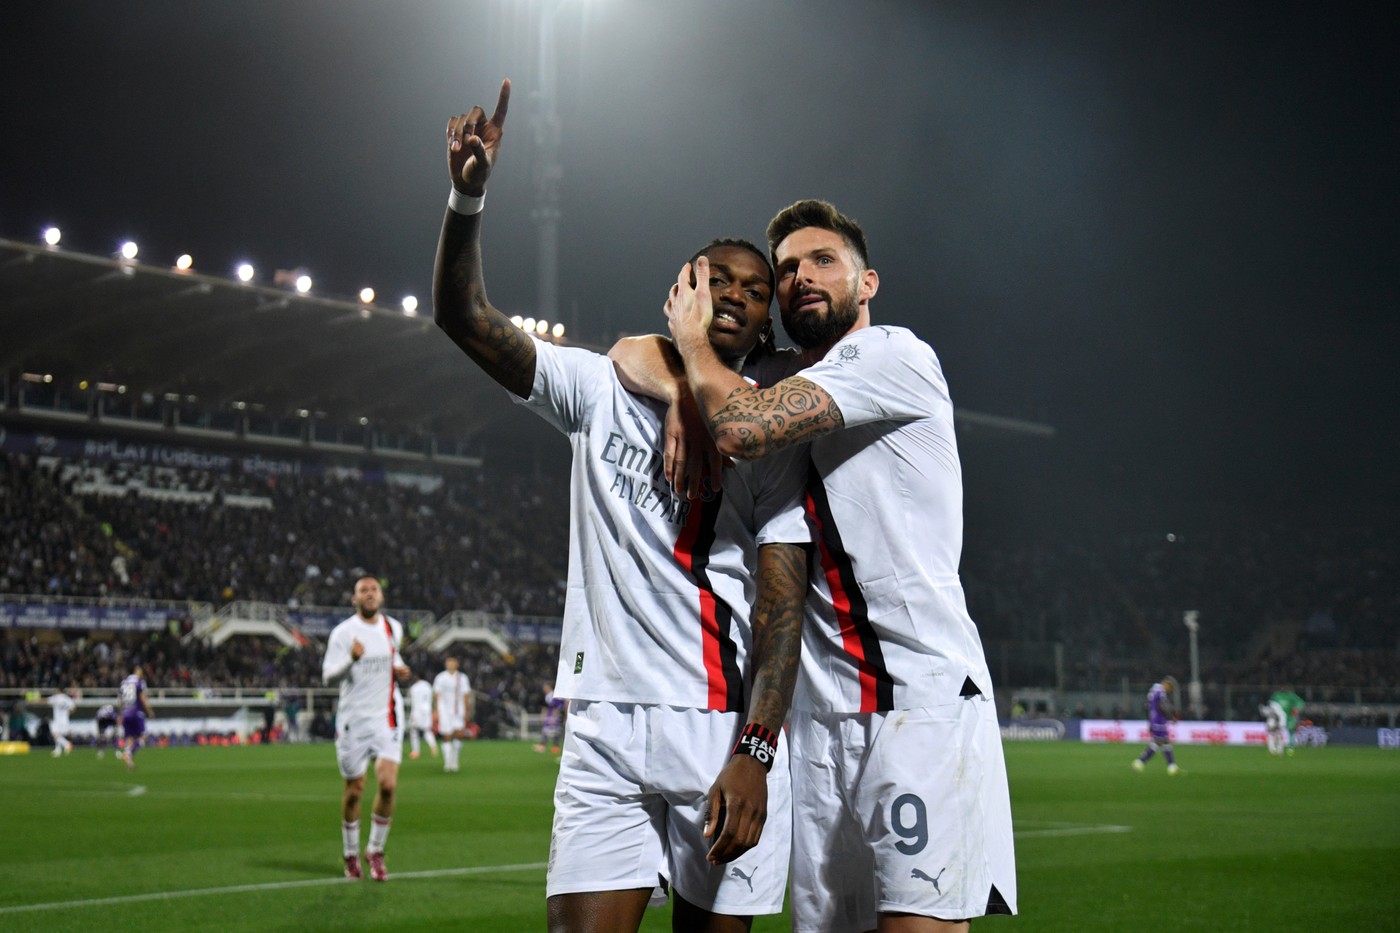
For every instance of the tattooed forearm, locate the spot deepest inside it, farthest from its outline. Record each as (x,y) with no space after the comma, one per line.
(461,309)
(777,631)
(755,422)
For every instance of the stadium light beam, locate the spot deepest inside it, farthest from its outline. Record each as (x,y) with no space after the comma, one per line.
(245,272)
(367,295)
(303,284)
(129,250)
(52,235)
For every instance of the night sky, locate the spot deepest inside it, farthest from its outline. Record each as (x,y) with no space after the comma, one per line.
(1170,230)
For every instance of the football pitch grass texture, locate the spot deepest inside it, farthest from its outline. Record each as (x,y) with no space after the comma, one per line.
(248,839)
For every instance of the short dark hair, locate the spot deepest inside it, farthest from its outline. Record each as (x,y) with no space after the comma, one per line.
(822,214)
(740,243)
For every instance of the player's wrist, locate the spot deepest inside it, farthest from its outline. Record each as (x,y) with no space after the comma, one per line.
(758,742)
(465,204)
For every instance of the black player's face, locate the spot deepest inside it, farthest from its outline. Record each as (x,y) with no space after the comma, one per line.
(819,286)
(368,597)
(740,294)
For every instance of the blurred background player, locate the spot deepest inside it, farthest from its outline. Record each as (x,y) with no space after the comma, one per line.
(136,709)
(1281,718)
(421,723)
(1160,711)
(362,656)
(62,703)
(551,722)
(452,691)
(106,727)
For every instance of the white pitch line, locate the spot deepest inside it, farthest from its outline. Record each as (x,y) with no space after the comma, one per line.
(269,886)
(1071,829)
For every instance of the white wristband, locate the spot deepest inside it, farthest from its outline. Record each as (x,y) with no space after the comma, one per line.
(462,204)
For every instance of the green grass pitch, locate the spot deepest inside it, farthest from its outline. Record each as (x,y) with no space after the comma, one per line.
(236,839)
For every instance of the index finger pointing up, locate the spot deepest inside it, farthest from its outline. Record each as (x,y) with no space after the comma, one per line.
(502,104)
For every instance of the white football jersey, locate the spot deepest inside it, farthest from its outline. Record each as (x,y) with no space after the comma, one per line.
(659,587)
(62,705)
(369,693)
(420,703)
(452,691)
(887,625)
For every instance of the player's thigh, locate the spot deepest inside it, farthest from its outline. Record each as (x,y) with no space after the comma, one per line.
(598,911)
(690,747)
(833,886)
(609,830)
(934,786)
(352,754)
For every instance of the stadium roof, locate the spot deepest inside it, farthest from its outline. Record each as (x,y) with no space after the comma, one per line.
(161,331)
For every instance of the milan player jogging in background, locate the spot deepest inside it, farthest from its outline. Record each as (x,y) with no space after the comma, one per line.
(362,656)
(661,775)
(901,812)
(452,693)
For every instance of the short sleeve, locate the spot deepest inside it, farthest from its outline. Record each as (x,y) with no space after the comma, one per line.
(882,374)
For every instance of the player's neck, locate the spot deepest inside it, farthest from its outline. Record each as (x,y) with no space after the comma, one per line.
(370,619)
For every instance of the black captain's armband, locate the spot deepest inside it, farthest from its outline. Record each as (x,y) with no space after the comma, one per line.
(760,742)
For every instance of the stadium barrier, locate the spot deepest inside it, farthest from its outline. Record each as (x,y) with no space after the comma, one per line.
(1190,732)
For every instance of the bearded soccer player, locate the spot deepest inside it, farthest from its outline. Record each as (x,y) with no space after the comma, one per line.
(452,693)
(660,656)
(901,810)
(362,656)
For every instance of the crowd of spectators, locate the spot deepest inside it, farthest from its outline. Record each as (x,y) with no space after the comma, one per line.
(1275,605)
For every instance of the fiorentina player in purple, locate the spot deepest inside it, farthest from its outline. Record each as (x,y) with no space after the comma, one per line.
(1160,712)
(136,709)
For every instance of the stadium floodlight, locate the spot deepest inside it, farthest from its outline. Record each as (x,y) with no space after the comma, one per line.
(364,422)
(541,327)
(558,330)
(52,235)
(184,262)
(528,324)
(367,295)
(82,385)
(129,250)
(245,272)
(303,284)
(303,413)
(517,320)
(410,306)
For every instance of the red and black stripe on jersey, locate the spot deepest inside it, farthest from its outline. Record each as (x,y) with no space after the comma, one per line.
(393,713)
(721,654)
(858,636)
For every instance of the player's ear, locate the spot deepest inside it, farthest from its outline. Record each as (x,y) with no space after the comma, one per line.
(869,285)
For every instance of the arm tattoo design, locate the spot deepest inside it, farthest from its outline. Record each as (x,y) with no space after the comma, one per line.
(761,421)
(777,630)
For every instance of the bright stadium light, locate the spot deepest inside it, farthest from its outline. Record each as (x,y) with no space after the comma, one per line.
(367,295)
(364,422)
(184,262)
(542,327)
(528,324)
(52,235)
(245,272)
(410,306)
(303,284)
(558,330)
(517,320)
(129,250)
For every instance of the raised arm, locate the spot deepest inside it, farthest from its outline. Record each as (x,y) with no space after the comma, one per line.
(747,422)
(740,792)
(460,306)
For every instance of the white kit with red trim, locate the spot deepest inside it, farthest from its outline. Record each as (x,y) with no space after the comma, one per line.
(369,693)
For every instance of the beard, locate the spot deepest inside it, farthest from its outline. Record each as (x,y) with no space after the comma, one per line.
(810,329)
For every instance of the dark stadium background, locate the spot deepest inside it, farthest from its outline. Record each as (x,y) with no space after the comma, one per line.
(1168,231)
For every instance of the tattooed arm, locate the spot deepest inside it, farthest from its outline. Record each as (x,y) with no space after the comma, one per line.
(460,306)
(747,423)
(738,802)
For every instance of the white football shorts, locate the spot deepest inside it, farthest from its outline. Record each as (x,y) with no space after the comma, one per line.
(906,811)
(357,742)
(629,808)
